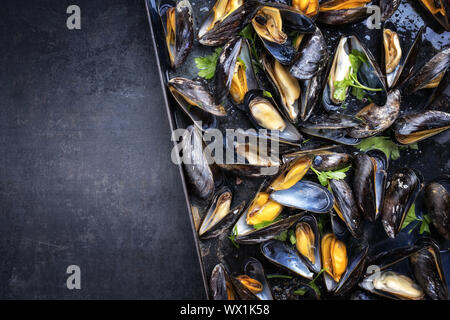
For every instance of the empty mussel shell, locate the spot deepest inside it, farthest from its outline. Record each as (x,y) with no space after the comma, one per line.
(416,127)
(305,195)
(403,188)
(285,256)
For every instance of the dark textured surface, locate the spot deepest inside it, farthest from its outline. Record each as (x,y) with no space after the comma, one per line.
(85,171)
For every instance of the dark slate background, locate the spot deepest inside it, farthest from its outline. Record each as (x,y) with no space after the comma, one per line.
(85,171)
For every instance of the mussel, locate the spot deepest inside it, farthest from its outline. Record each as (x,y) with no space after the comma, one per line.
(252,285)
(305,195)
(334,256)
(403,188)
(427,268)
(293,173)
(307,242)
(331,161)
(287,87)
(226,19)
(440,9)
(308,7)
(393,285)
(274,25)
(376,119)
(351,51)
(198,169)
(437,202)
(234,72)
(431,74)
(369,182)
(333,127)
(195,100)
(342,11)
(345,206)
(178,25)
(220,284)
(388,7)
(416,127)
(264,113)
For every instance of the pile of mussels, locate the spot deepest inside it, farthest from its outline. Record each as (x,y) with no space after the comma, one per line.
(286,81)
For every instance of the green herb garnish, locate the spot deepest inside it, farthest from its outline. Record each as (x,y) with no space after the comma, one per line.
(266,223)
(267,94)
(312,284)
(278,276)
(249,33)
(324,176)
(411,217)
(232,237)
(390,149)
(282,236)
(357,58)
(207,65)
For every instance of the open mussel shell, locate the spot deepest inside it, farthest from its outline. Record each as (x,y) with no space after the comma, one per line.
(220,284)
(253,270)
(333,127)
(219,215)
(403,188)
(178,25)
(369,182)
(369,74)
(439,9)
(305,195)
(336,12)
(392,285)
(287,88)
(431,74)
(416,127)
(234,72)
(265,114)
(254,156)
(376,119)
(356,258)
(200,173)
(398,63)
(312,58)
(195,100)
(226,19)
(285,256)
(283,21)
(346,207)
(427,268)
(308,242)
(437,202)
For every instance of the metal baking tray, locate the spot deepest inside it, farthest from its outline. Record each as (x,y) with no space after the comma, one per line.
(432,158)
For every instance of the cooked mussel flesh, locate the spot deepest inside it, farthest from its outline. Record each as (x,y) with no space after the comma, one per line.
(334,256)
(293,174)
(308,7)
(217,212)
(440,9)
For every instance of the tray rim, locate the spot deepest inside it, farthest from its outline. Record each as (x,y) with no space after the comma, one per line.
(172,128)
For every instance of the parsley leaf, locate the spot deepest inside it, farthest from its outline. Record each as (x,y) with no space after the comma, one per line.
(249,33)
(266,223)
(411,217)
(312,284)
(384,144)
(324,176)
(292,237)
(278,276)
(267,94)
(232,237)
(282,236)
(207,65)
(356,58)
